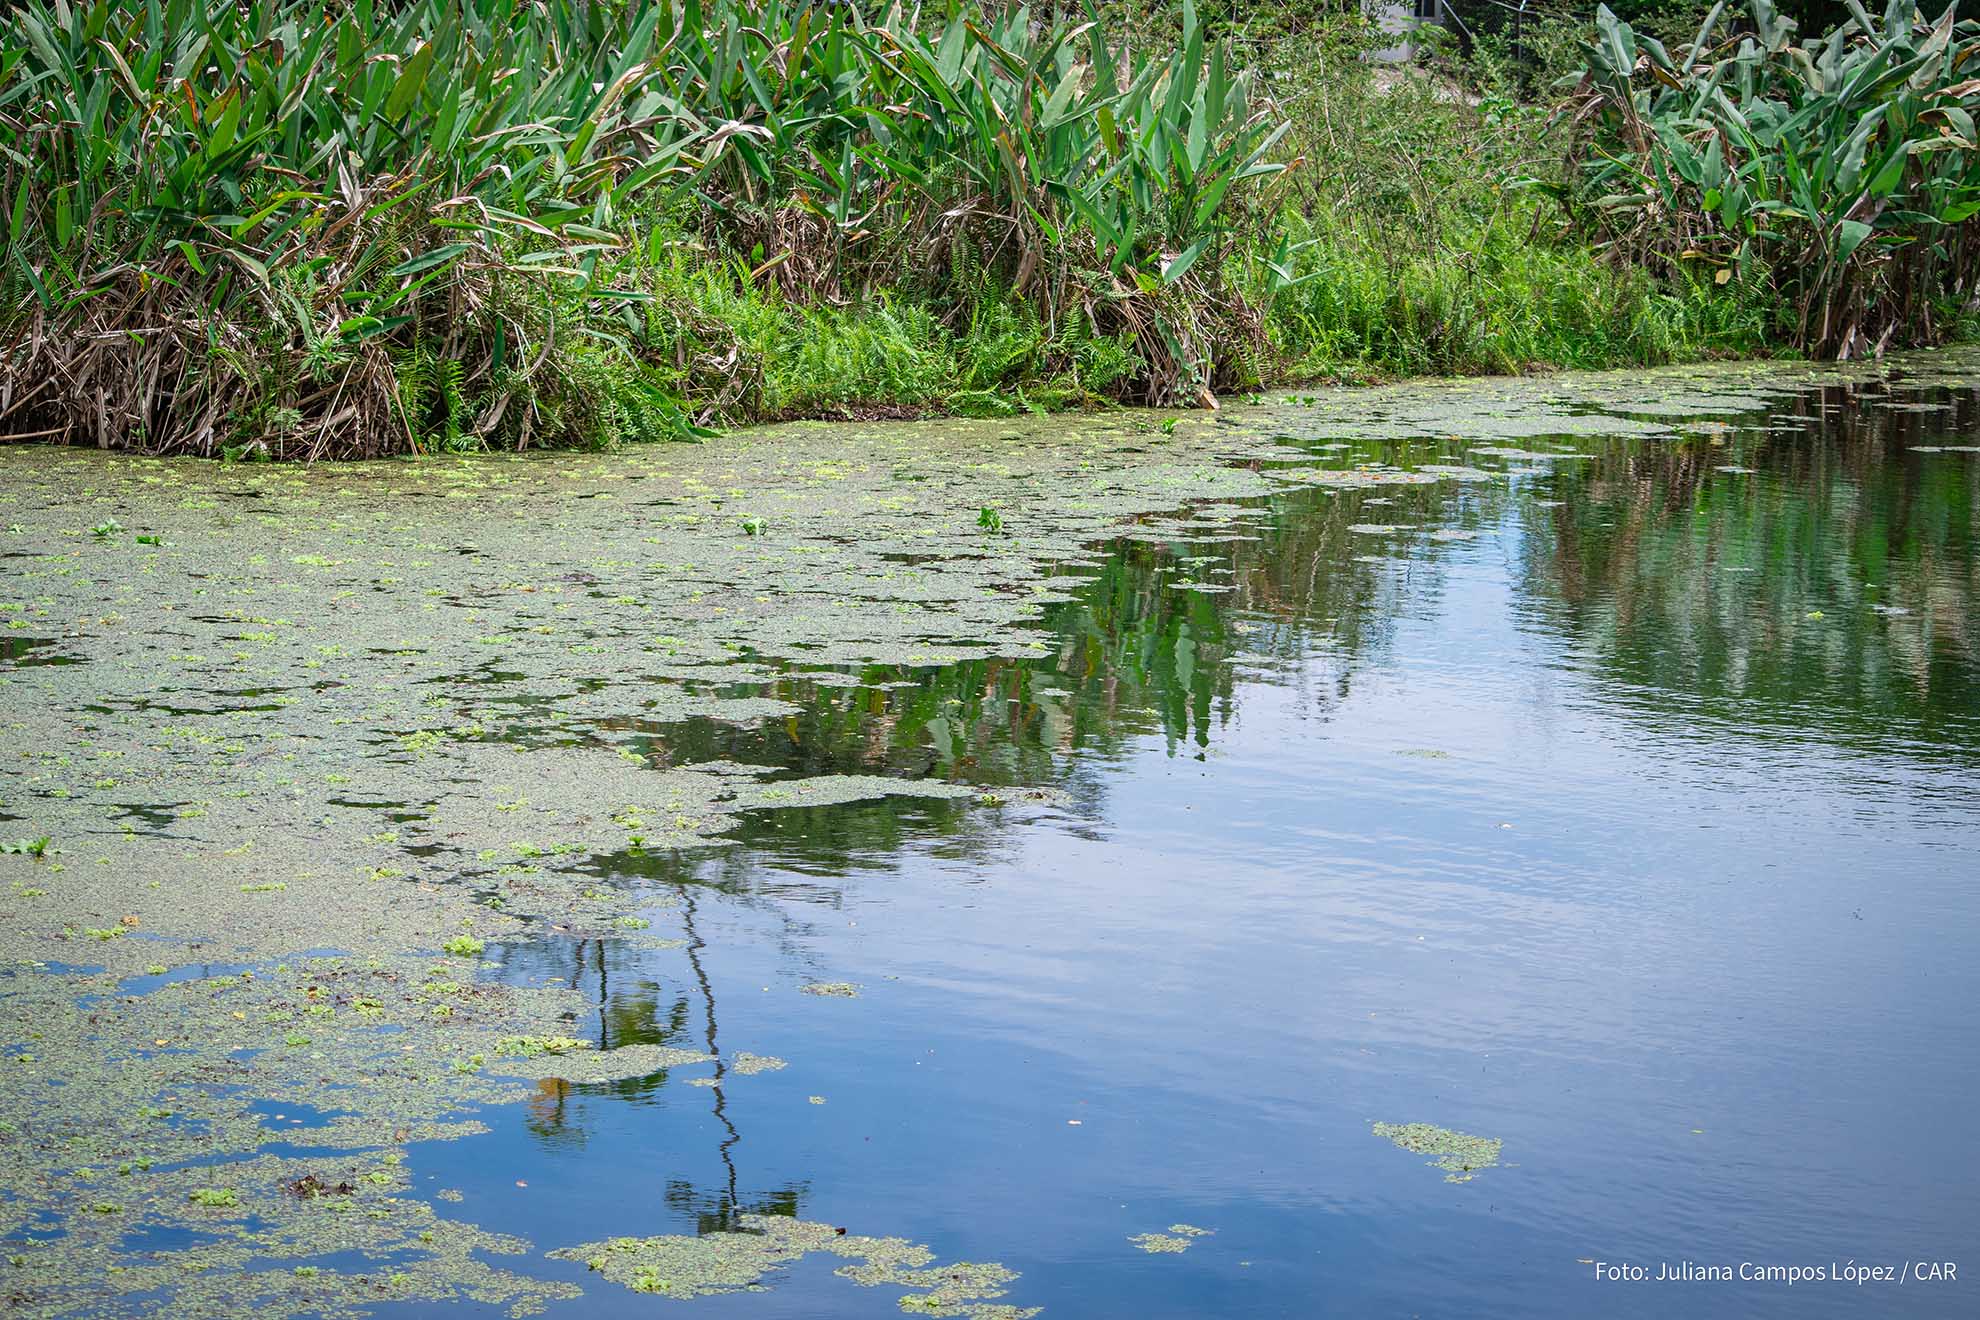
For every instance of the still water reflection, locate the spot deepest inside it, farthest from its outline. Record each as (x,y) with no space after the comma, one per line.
(1622,811)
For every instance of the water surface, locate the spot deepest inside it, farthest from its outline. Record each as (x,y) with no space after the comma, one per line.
(1615,804)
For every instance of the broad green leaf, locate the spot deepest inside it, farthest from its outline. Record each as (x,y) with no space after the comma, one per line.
(427,260)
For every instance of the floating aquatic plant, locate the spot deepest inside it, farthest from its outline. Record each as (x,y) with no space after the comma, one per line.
(1461,1155)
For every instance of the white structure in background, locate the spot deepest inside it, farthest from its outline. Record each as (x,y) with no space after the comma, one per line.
(1401,19)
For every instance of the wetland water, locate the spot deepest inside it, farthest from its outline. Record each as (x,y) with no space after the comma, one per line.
(1076,908)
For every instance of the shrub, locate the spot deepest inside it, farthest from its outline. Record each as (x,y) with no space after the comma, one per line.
(1843,172)
(346,226)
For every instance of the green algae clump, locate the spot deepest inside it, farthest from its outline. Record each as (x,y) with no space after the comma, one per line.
(1461,1155)
(1176,1240)
(735,1261)
(589,1066)
(1160,1242)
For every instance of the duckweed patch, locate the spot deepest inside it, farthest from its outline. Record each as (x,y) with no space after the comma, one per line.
(159,1120)
(719,1263)
(746,1064)
(1159,1243)
(594,1066)
(1461,1155)
(1177,1239)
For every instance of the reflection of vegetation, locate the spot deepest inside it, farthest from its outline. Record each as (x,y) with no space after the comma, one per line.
(631,1011)
(632,1008)
(1140,651)
(721,1212)
(1833,588)
(1836,578)
(1822,568)
(1817,576)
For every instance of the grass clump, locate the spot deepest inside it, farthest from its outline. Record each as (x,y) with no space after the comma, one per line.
(1422,233)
